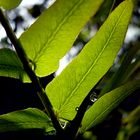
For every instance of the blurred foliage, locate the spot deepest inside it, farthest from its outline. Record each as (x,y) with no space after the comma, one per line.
(124,122)
(130,125)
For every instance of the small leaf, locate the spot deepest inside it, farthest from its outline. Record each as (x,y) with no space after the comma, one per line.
(54,32)
(9,4)
(10,65)
(25,119)
(68,90)
(106,104)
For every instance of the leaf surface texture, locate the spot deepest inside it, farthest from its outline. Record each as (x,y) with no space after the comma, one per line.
(25,119)
(67,90)
(54,32)
(9,4)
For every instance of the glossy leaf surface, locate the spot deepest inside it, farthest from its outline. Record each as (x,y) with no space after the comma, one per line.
(67,91)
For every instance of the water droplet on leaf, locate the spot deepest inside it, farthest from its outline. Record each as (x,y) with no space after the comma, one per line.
(93,97)
(63,124)
(77,108)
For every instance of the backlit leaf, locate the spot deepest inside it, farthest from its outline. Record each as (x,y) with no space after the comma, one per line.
(9,4)
(125,70)
(54,32)
(67,91)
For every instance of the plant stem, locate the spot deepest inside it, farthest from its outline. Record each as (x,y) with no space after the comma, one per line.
(72,129)
(75,124)
(26,65)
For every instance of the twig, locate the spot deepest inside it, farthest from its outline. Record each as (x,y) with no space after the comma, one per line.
(75,124)
(26,65)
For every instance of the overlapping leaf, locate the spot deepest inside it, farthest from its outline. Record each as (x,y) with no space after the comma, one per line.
(67,91)
(54,32)
(25,119)
(106,104)
(10,65)
(9,4)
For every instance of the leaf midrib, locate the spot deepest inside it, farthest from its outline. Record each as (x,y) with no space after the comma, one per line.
(54,33)
(22,125)
(70,95)
(108,107)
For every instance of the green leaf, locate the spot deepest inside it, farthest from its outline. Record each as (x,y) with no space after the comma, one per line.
(67,91)
(54,32)
(10,65)
(25,119)
(125,70)
(9,4)
(106,104)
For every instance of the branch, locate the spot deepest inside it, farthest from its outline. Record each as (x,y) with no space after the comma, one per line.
(75,124)
(26,65)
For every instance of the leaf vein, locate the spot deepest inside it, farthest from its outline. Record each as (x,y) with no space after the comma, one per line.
(119,99)
(52,36)
(71,94)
